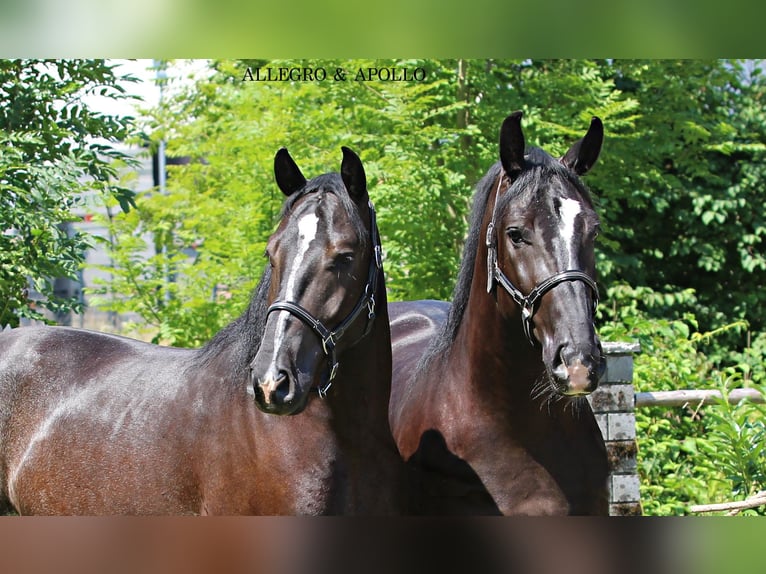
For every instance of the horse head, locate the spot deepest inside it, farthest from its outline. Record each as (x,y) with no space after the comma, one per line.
(325,260)
(540,237)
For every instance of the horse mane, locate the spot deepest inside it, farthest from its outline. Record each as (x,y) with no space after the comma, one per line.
(539,167)
(462,289)
(241,338)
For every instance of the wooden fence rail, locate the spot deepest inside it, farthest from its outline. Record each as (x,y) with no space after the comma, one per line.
(694,398)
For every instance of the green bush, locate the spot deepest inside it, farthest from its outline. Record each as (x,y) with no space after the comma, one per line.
(693,454)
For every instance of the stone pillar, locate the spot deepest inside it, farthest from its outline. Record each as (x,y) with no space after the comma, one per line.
(614,406)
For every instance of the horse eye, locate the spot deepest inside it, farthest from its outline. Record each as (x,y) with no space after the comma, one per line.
(342,260)
(516,235)
(346,258)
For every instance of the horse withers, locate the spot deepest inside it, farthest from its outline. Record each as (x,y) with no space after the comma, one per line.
(487,399)
(92,423)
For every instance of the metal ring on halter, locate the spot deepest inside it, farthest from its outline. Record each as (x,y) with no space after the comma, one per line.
(325,342)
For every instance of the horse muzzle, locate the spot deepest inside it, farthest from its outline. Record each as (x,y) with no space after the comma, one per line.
(575,375)
(277,392)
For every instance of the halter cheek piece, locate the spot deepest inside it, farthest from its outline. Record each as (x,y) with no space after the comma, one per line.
(330,338)
(528,303)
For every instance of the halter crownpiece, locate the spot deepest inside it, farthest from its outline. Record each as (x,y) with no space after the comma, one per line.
(330,338)
(530,302)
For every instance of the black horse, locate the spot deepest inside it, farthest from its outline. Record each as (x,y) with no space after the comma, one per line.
(92,423)
(486,402)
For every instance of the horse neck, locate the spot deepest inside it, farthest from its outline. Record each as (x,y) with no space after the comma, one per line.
(360,394)
(488,342)
(233,347)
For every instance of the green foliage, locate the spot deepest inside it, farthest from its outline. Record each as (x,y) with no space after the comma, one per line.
(424,145)
(694,454)
(675,186)
(54,151)
(680,198)
(734,445)
(181,309)
(226,201)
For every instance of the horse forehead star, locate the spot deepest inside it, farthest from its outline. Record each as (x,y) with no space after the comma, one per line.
(568,210)
(308,225)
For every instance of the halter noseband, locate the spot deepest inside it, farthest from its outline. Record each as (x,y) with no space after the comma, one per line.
(330,338)
(528,303)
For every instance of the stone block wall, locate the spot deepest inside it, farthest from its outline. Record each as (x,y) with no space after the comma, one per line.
(614,406)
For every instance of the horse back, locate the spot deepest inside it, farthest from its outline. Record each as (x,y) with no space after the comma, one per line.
(71,405)
(414,326)
(92,423)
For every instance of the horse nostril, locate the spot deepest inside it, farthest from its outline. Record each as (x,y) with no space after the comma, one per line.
(274,390)
(559,367)
(282,392)
(559,359)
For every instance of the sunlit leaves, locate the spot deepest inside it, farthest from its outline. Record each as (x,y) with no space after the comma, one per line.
(695,454)
(54,151)
(677,185)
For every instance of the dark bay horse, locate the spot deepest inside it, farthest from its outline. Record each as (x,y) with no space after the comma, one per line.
(486,400)
(92,423)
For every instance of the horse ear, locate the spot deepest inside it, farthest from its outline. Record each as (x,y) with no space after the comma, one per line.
(584,153)
(288,174)
(352,173)
(512,145)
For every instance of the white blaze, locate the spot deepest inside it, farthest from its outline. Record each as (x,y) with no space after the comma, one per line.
(307,230)
(568,212)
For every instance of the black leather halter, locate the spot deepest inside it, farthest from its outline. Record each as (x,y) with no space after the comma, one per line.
(330,338)
(530,302)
